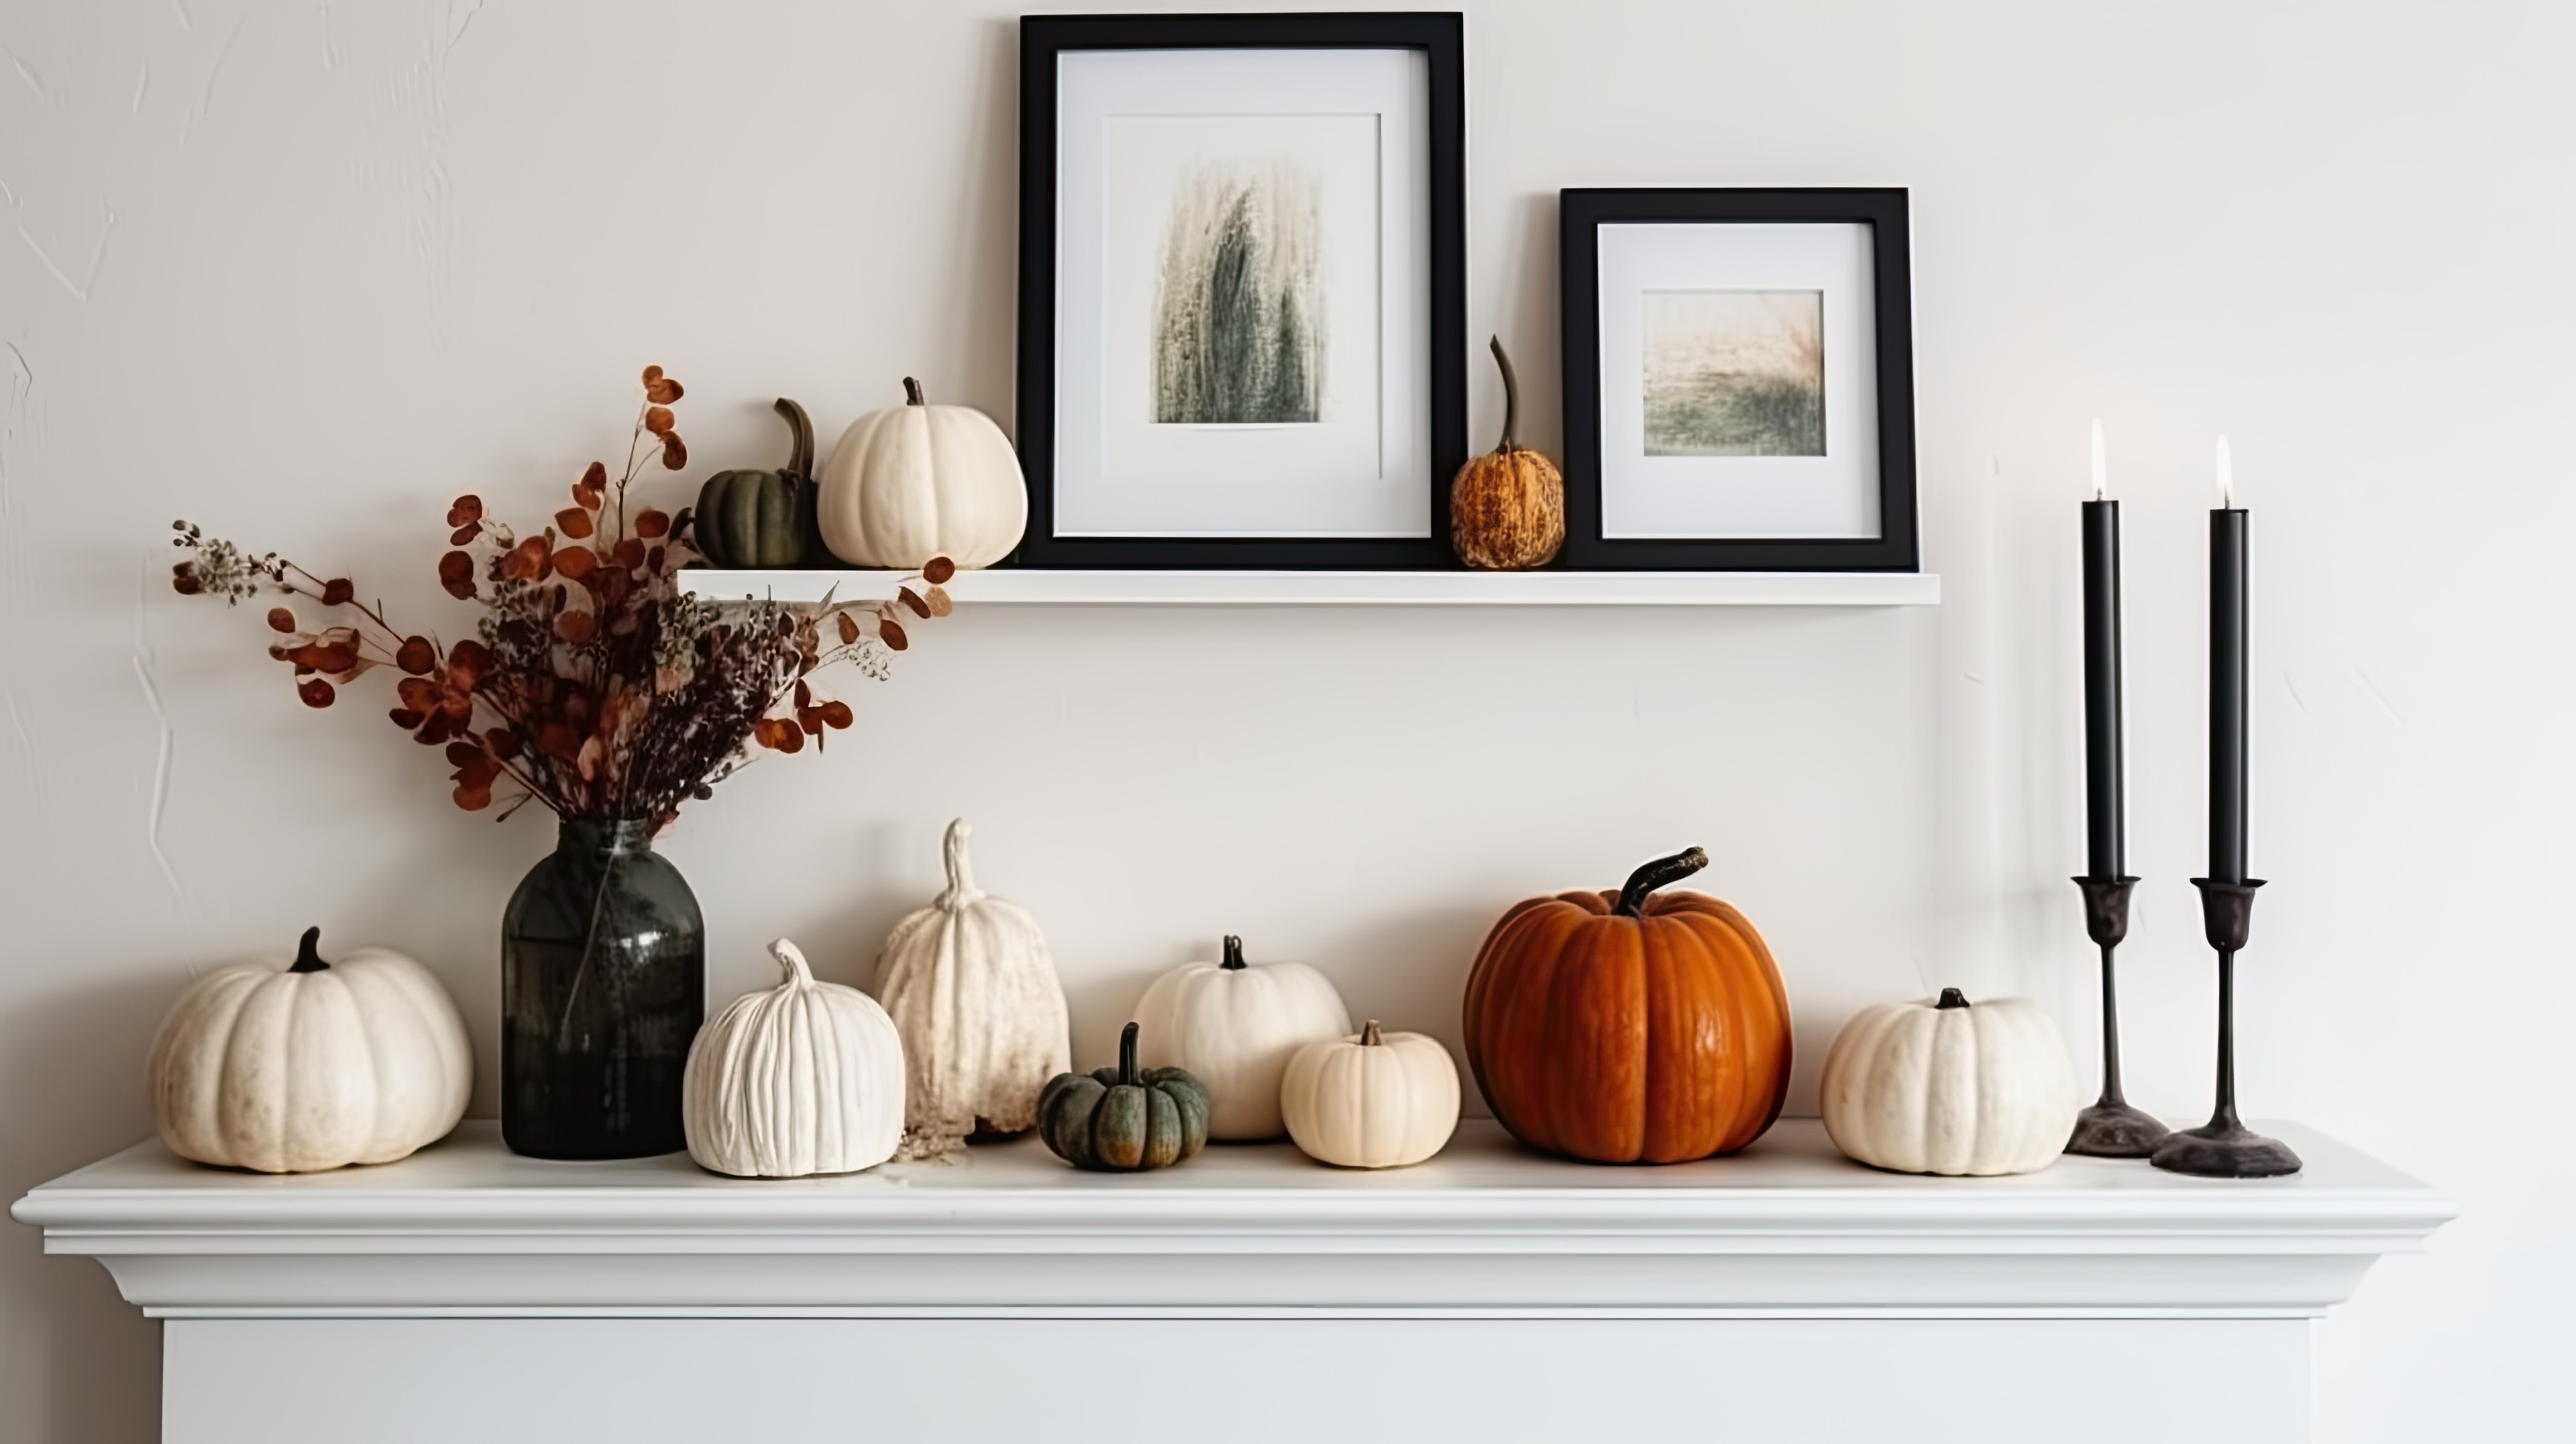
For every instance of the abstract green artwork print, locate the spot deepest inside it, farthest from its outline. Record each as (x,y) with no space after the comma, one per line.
(1734,372)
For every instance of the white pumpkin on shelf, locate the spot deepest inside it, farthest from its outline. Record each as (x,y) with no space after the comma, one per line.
(803,1078)
(974,994)
(1376,1100)
(1940,1086)
(1234,1026)
(917,481)
(289,1064)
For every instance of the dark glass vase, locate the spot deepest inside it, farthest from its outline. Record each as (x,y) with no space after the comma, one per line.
(603,985)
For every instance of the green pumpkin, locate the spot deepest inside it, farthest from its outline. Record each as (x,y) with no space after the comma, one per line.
(765,518)
(1123,1120)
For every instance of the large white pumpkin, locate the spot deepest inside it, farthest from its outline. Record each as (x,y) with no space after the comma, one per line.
(975,996)
(1235,1026)
(918,481)
(1943,1087)
(289,1064)
(1378,1100)
(803,1078)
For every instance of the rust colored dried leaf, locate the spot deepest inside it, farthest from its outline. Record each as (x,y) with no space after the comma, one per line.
(466,511)
(804,695)
(892,632)
(323,657)
(809,720)
(464,754)
(434,729)
(657,420)
(416,656)
(186,584)
(938,570)
(467,661)
(456,573)
(849,628)
(337,592)
(474,797)
(502,743)
(529,561)
(628,553)
(576,627)
(575,562)
(465,534)
(315,692)
(675,453)
(654,560)
(575,522)
(280,620)
(940,605)
(406,719)
(912,599)
(651,522)
(660,388)
(419,694)
(836,713)
(594,479)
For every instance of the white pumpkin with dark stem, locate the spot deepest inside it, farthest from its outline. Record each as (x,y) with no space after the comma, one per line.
(1378,1100)
(918,481)
(1234,1026)
(1943,1087)
(295,1065)
(803,1078)
(975,996)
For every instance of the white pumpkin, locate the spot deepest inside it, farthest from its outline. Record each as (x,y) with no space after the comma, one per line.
(975,996)
(1235,1027)
(1377,1100)
(294,1065)
(918,481)
(1943,1087)
(804,1078)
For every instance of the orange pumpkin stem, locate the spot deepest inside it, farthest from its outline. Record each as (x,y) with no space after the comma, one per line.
(1663,870)
(1511,400)
(308,957)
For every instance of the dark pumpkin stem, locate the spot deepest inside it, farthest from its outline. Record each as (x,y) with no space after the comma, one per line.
(1233,954)
(1951,998)
(1127,1056)
(1370,1037)
(1511,400)
(912,393)
(308,959)
(800,430)
(1632,898)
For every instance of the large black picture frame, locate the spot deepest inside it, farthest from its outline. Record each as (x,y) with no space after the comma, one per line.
(1581,214)
(1043,39)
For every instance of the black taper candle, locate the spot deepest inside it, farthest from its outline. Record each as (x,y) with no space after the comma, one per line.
(2228,672)
(2104,802)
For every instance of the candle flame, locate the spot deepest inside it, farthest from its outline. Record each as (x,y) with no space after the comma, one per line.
(2101,468)
(2226,477)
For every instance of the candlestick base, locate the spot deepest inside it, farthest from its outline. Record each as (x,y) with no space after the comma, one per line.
(2225,1148)
(2112,1129)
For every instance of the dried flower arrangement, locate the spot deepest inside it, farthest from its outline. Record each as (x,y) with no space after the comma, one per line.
(592,684)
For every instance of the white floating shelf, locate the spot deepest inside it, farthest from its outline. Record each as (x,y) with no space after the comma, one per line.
(1013,587)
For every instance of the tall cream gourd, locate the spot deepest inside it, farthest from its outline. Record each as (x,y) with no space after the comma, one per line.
(918,481)
(294,1065)
(975,997)
(1234,1026)
(1379,1100)
(1944,1087)
(803,1078)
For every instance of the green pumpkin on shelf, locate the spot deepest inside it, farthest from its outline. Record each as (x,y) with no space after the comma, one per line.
(765,518)
(1124,1119)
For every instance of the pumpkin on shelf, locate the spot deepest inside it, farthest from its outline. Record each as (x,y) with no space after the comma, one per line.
(757,518)
(803,1078)
(1124,1119)
(1507,507)
(1377,1100)
(917,481)
(1939,1086)
(289,1064)
(972,989)
(1630,1026)
(1235,1025)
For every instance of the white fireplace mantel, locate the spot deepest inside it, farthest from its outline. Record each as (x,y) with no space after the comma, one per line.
(1787,1265)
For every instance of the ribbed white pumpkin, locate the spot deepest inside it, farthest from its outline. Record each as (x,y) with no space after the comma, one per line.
(806,1077)
(1374,1100)
(918,481)
(288,1064)
(1235,1027)
(1944,1087)
(975,996)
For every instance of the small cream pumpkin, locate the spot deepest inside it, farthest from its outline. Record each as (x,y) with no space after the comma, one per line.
(1234,1026)
(1943,1087)
(918,481)
(974,994)
(1376,1100)
(295,1065)
(803,1078)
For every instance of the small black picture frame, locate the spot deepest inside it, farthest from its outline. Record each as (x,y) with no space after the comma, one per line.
(1881,215)
(1053,542)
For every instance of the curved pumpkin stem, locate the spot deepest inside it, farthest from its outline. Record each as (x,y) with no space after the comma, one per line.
(1233,954)
(912,393)
(1370,1037)
(1127,1056)
(961,873)
(791,962)
(1951,998)
(800,431)
(1632,898)
(307,957)
(1511,400)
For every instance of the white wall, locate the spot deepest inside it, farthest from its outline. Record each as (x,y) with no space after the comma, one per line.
(303,272)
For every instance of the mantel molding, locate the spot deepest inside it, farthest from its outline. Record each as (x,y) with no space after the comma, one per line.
(1486,1230)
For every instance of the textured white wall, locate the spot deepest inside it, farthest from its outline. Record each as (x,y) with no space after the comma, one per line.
(302,272)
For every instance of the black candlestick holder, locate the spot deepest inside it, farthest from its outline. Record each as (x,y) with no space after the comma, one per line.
(2111,1128)
(2224,1147)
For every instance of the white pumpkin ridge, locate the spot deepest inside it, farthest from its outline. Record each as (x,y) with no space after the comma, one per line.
(800,1079)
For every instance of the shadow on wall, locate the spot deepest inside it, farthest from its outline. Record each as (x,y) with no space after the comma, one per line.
(72,1064)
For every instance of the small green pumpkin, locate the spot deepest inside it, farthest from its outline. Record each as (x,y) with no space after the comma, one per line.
(1122,1119)
(765,518)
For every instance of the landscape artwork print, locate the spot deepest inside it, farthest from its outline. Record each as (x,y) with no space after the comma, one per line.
(1734,372)
(1239,307)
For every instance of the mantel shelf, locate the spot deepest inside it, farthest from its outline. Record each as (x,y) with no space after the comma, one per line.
(1012,586)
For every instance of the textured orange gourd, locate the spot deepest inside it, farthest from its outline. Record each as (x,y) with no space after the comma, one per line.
(1507,507)
(1630,1026)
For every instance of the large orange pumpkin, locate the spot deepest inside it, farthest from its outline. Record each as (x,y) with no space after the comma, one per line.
(1630,1026)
